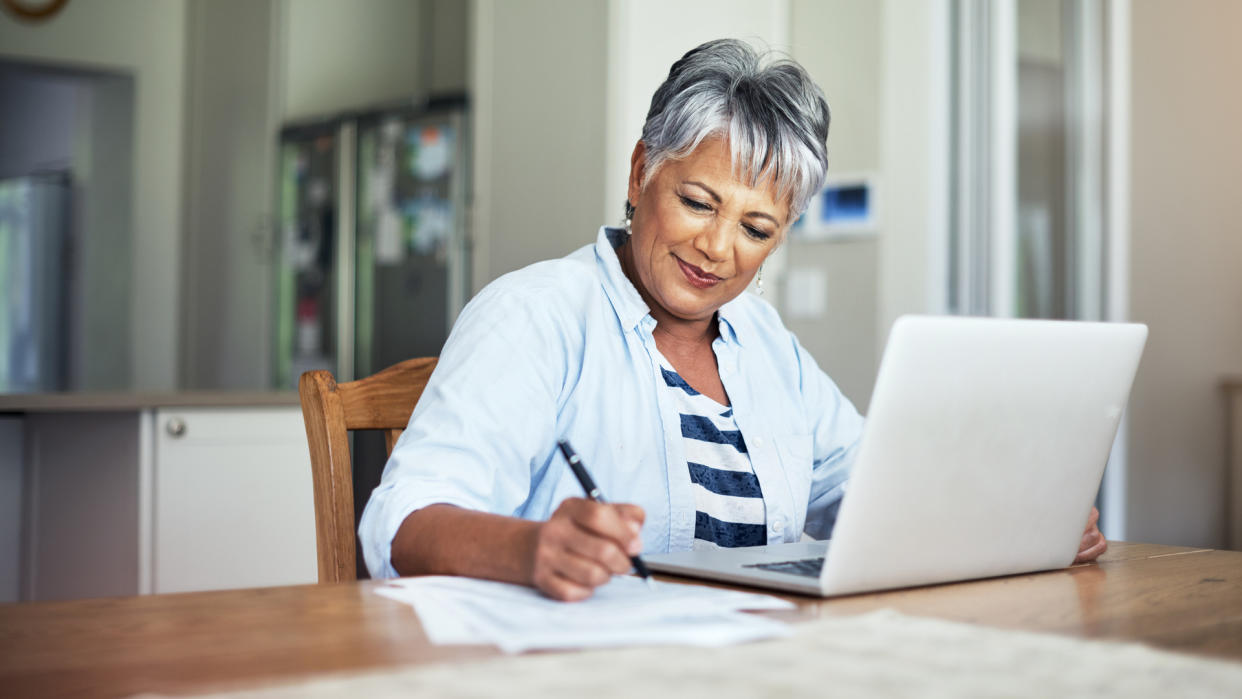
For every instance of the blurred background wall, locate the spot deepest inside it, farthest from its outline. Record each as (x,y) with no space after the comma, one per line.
(146,41)
(1185,262)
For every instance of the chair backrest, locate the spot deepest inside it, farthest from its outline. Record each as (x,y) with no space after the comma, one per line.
(382,401)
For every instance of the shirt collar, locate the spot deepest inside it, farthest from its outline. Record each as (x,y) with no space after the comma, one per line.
(730,316)
(630,307)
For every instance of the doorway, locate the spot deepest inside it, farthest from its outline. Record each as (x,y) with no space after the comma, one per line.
(66,193)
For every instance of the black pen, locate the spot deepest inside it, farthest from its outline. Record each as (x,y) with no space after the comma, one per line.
(593,492)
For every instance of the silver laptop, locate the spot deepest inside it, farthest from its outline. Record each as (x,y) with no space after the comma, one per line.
(982,454)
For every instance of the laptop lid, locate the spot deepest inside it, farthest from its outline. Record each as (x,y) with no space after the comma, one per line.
(984,447)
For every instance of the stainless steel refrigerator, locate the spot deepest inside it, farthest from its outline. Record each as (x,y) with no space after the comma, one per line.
(373,262)
(36,280)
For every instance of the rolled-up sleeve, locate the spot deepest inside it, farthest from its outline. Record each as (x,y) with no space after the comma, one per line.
(836,428)
(481,425)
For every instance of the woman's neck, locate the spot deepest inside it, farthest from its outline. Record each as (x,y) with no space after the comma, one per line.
(686,334)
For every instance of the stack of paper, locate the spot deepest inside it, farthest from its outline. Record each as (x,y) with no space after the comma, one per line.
(623,612)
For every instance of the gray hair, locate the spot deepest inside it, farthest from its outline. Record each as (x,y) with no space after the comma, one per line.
(775,118)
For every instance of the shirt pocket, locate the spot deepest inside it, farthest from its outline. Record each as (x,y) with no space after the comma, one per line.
(797,463)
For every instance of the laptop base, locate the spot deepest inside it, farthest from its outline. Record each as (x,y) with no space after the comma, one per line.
(737,565)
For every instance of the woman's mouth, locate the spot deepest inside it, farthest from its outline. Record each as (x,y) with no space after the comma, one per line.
(697,277)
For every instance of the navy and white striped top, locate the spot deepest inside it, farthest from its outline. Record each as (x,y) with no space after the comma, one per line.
(729,509)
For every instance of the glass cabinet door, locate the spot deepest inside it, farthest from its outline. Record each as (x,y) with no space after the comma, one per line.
(306,274)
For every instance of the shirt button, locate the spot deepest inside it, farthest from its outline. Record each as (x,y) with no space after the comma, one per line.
(778,524)
(759,441)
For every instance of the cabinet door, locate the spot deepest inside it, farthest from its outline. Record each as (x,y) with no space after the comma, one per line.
(233,503)
(1234,476)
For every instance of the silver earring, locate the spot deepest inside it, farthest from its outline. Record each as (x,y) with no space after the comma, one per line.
(759,281)
(628,224)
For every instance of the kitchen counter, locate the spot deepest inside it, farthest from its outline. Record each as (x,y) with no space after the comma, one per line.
(130,492)
(135,400)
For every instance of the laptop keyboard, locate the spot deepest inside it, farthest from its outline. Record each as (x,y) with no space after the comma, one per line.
(806,567)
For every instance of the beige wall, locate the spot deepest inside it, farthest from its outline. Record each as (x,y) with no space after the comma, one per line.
(840,44)
(1039,30)
(538,75)
(341,55)
(231,122)
(145,38)
(914,163)
(1186,262)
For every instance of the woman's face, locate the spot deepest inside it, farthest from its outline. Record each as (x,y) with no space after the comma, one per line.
(699,235)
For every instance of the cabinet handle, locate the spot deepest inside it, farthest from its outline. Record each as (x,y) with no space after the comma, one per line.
(175,427)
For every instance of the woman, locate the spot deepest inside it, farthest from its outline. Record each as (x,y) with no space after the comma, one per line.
(686,398)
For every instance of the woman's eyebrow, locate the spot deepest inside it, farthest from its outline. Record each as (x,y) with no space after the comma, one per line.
(760,214)
(711,192)
(716,198)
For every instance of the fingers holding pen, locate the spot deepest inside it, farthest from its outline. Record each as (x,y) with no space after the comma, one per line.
(621,523)
(582,545)
(605,555)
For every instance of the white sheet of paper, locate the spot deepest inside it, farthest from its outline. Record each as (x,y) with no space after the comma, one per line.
(625,611)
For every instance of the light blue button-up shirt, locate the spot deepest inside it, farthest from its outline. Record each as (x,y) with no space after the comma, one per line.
(563,350)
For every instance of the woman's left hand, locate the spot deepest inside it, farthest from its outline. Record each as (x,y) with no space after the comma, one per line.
(1093,543)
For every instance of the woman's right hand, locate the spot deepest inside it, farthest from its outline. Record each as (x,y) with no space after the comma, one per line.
(582,545)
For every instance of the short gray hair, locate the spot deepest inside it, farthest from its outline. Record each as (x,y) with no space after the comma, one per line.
(774,117)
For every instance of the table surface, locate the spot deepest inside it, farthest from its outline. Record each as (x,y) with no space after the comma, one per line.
(1176,598)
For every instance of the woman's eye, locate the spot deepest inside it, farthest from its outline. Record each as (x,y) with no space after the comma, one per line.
(694,204)
(757,234)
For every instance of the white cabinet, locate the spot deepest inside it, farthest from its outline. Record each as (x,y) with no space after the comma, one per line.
(233,505)
(153,497)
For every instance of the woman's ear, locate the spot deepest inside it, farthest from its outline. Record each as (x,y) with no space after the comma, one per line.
(638,165)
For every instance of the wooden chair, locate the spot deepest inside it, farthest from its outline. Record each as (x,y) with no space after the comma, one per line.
(382,401)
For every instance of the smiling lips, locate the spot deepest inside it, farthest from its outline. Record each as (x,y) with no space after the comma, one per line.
(697,277)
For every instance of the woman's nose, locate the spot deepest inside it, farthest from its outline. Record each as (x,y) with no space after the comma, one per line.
(713,240)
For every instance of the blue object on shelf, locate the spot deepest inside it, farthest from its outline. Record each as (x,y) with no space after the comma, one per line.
(849,203)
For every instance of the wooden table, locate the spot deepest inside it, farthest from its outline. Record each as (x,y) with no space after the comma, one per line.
(1175,598)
